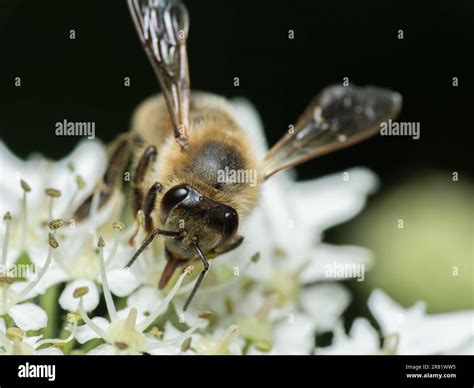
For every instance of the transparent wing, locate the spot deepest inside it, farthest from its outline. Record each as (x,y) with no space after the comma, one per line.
(340,116)
(162,26)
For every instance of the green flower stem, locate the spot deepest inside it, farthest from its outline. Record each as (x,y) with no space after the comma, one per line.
(49,302)
(68,347)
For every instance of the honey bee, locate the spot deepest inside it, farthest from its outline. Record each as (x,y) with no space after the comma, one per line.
(182,140)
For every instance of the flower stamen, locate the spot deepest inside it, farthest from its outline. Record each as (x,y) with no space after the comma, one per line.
(24,212)
(80,184)
(7,218)
(105,284)
(179,338)
(163,306)
(53,244)
(119,227)
(72,326)
(390,344)
(101,333)
(230,335)
(224,285)
(52,194)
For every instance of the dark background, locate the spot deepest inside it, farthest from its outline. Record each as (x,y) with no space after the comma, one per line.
(82,79)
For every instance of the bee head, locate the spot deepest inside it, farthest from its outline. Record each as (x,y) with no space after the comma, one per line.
(203,221)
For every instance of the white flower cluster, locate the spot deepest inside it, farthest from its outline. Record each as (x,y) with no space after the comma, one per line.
(270,296)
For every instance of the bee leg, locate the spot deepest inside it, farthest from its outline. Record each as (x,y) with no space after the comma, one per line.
(227,247)
(149,204)
(149,240)
(111,180)
(138,201)
(147,158)
(199,280)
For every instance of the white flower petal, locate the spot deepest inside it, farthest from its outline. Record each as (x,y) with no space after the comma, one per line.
(84,333)
(292,336)
(249,120)
(14,251)
(267,231)
(110,211)
(89,300)
(253,243)
(145,299)
(54,275)
(420,333)
(123,314)
(3,327)
(32,171)
(51,351)
(28,316)
(424,338)
(38,252)
(328,262)
(325,303)
(254,300)
(283,226)
(295,336)
(89,159)
(328,201)
(32,340)
(171,350)
(122,281)
(51,277)
(362,340)
(170,331)
(466,348)
(389,315)
(9,200)
(104,350)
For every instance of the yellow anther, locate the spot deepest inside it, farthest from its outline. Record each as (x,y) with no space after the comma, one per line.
(53,243)
(186,344)
(101,242)
(54,193)
(157,333)
(118,226)
(120,345)
(25,186)
(55,224)
(81,291)
(80,182)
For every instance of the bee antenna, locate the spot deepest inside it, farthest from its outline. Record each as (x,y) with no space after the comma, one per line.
(201,275)
(149,239)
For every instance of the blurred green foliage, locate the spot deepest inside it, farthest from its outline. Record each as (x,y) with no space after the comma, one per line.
(432,257)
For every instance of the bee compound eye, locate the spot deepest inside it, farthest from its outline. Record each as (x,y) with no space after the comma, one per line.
(172,197)
(231,223)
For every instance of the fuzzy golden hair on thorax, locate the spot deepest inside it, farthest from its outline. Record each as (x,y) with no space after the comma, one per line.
(217,145)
